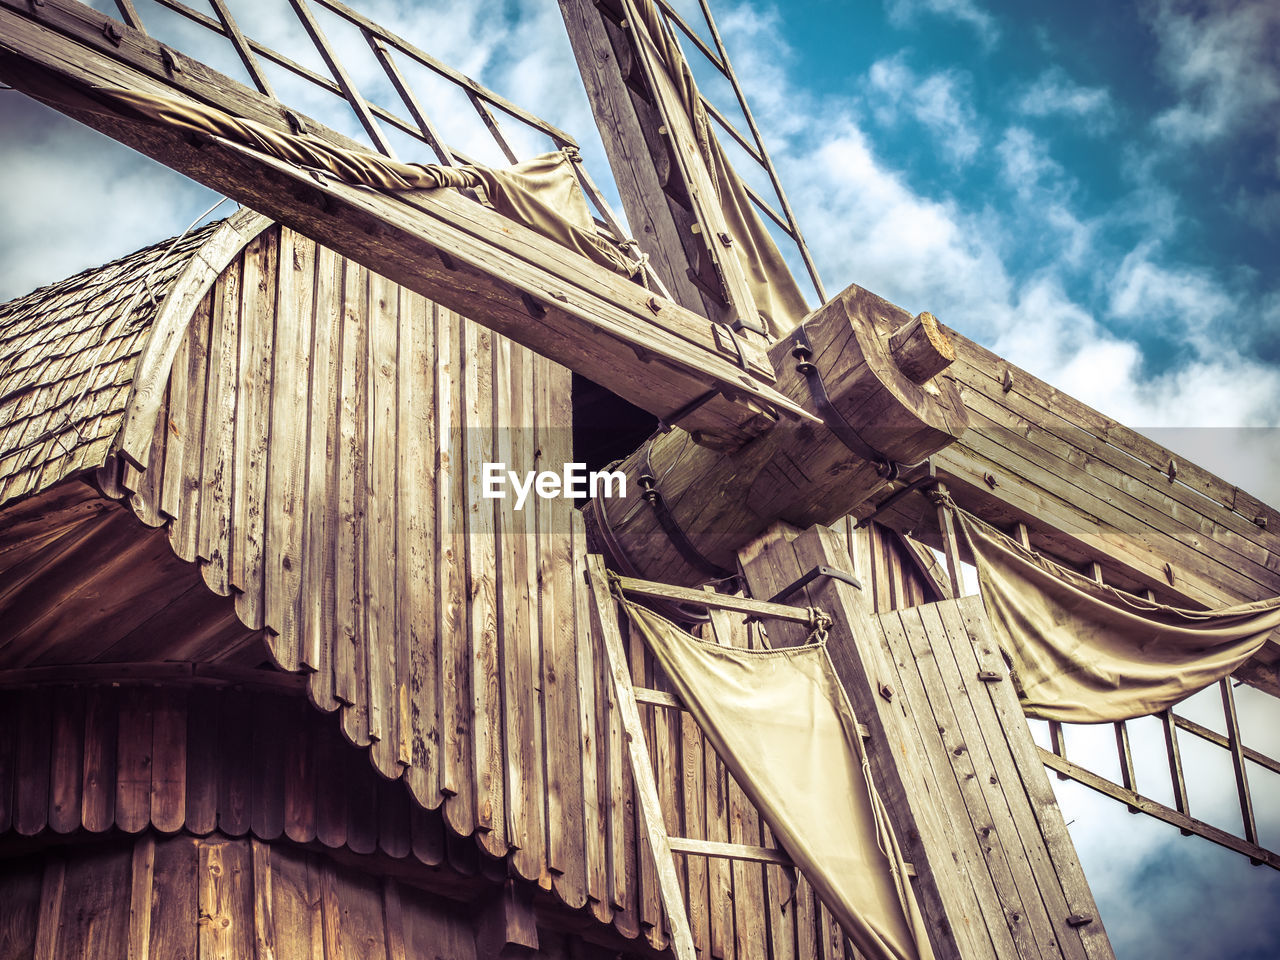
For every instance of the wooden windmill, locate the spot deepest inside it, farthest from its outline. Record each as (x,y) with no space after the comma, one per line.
(243,542)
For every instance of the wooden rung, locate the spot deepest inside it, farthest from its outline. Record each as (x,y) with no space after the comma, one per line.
(721,601)
(728,851)
(658,698)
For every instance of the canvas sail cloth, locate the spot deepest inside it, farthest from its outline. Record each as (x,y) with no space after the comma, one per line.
(1084,652)
(778,299)
(781,722)
(542,194)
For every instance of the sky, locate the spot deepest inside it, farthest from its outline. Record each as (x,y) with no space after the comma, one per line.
(1091,190)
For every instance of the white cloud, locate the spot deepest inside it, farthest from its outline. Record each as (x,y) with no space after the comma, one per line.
(1054,94)
(1221,60)
(967,12)
(939,101)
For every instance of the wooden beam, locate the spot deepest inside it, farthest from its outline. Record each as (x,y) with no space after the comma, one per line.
(440,244)
(1091,489)
(1159,810)
(641,161)
(687,510)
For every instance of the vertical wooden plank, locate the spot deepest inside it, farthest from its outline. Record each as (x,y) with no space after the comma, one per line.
(605,621)
(648,897)
(133,760)
(518,633)
(1035,784)
(485,711)
(319,632)
(300,783)
(142,875)
(286,470)
(349,639)
(31,806)
(253,418)
(95,904)
(362,802)
(268,761)
(394,837)
(235,762)
(290,904)
(221,400)
(384,671)
(173,428)
(393,911)
(553,448)
(1175,762)
(185,532)
(67,768)
(174,914)
(719,872)
(169,759)
(593,734)
(426,835)
(694,795)
(203,760)
(8,753)
(147,483)
(748,893)
(226,906)
(418,551)
(264,922)
(49,923)
(330,899)
(98,789)
(331,801)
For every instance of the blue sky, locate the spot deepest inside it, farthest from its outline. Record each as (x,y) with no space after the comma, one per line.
(1090,189)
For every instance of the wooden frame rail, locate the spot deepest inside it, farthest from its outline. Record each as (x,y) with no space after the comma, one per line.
(1127,790)
(386,46)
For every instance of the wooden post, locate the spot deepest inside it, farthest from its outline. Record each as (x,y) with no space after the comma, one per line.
(953,759)
(797,473)
(771,562)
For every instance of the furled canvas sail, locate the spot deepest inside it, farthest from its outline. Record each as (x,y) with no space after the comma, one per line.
(777,296)
(542,193)
(1085,652)
(781,722)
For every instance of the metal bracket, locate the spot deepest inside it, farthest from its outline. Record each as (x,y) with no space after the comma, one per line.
(677,537)
(831,417)
(817,573)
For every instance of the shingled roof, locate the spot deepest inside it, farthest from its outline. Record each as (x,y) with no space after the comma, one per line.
(69,353)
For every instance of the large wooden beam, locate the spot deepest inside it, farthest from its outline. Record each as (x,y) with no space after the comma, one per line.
(687,510)
(1091,490)
(459,253)
(664,183)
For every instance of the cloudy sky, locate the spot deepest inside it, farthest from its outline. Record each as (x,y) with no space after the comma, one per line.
(1090,189)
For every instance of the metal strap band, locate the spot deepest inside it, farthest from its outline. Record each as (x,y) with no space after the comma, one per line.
(688,552)
(831,417)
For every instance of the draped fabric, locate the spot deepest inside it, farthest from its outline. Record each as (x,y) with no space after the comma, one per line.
(1085,652)
(781,722)
(777,295)
(542,194)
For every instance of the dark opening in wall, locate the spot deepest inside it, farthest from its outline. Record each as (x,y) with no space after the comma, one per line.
(605,427)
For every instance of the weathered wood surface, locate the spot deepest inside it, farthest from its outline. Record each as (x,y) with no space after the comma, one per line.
(953,758)
(81,581)
(1091,489)
(70,354)
(798,473)
(491,268)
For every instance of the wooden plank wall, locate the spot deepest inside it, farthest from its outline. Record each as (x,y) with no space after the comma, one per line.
(201,758)
(318,454)
(217,897)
